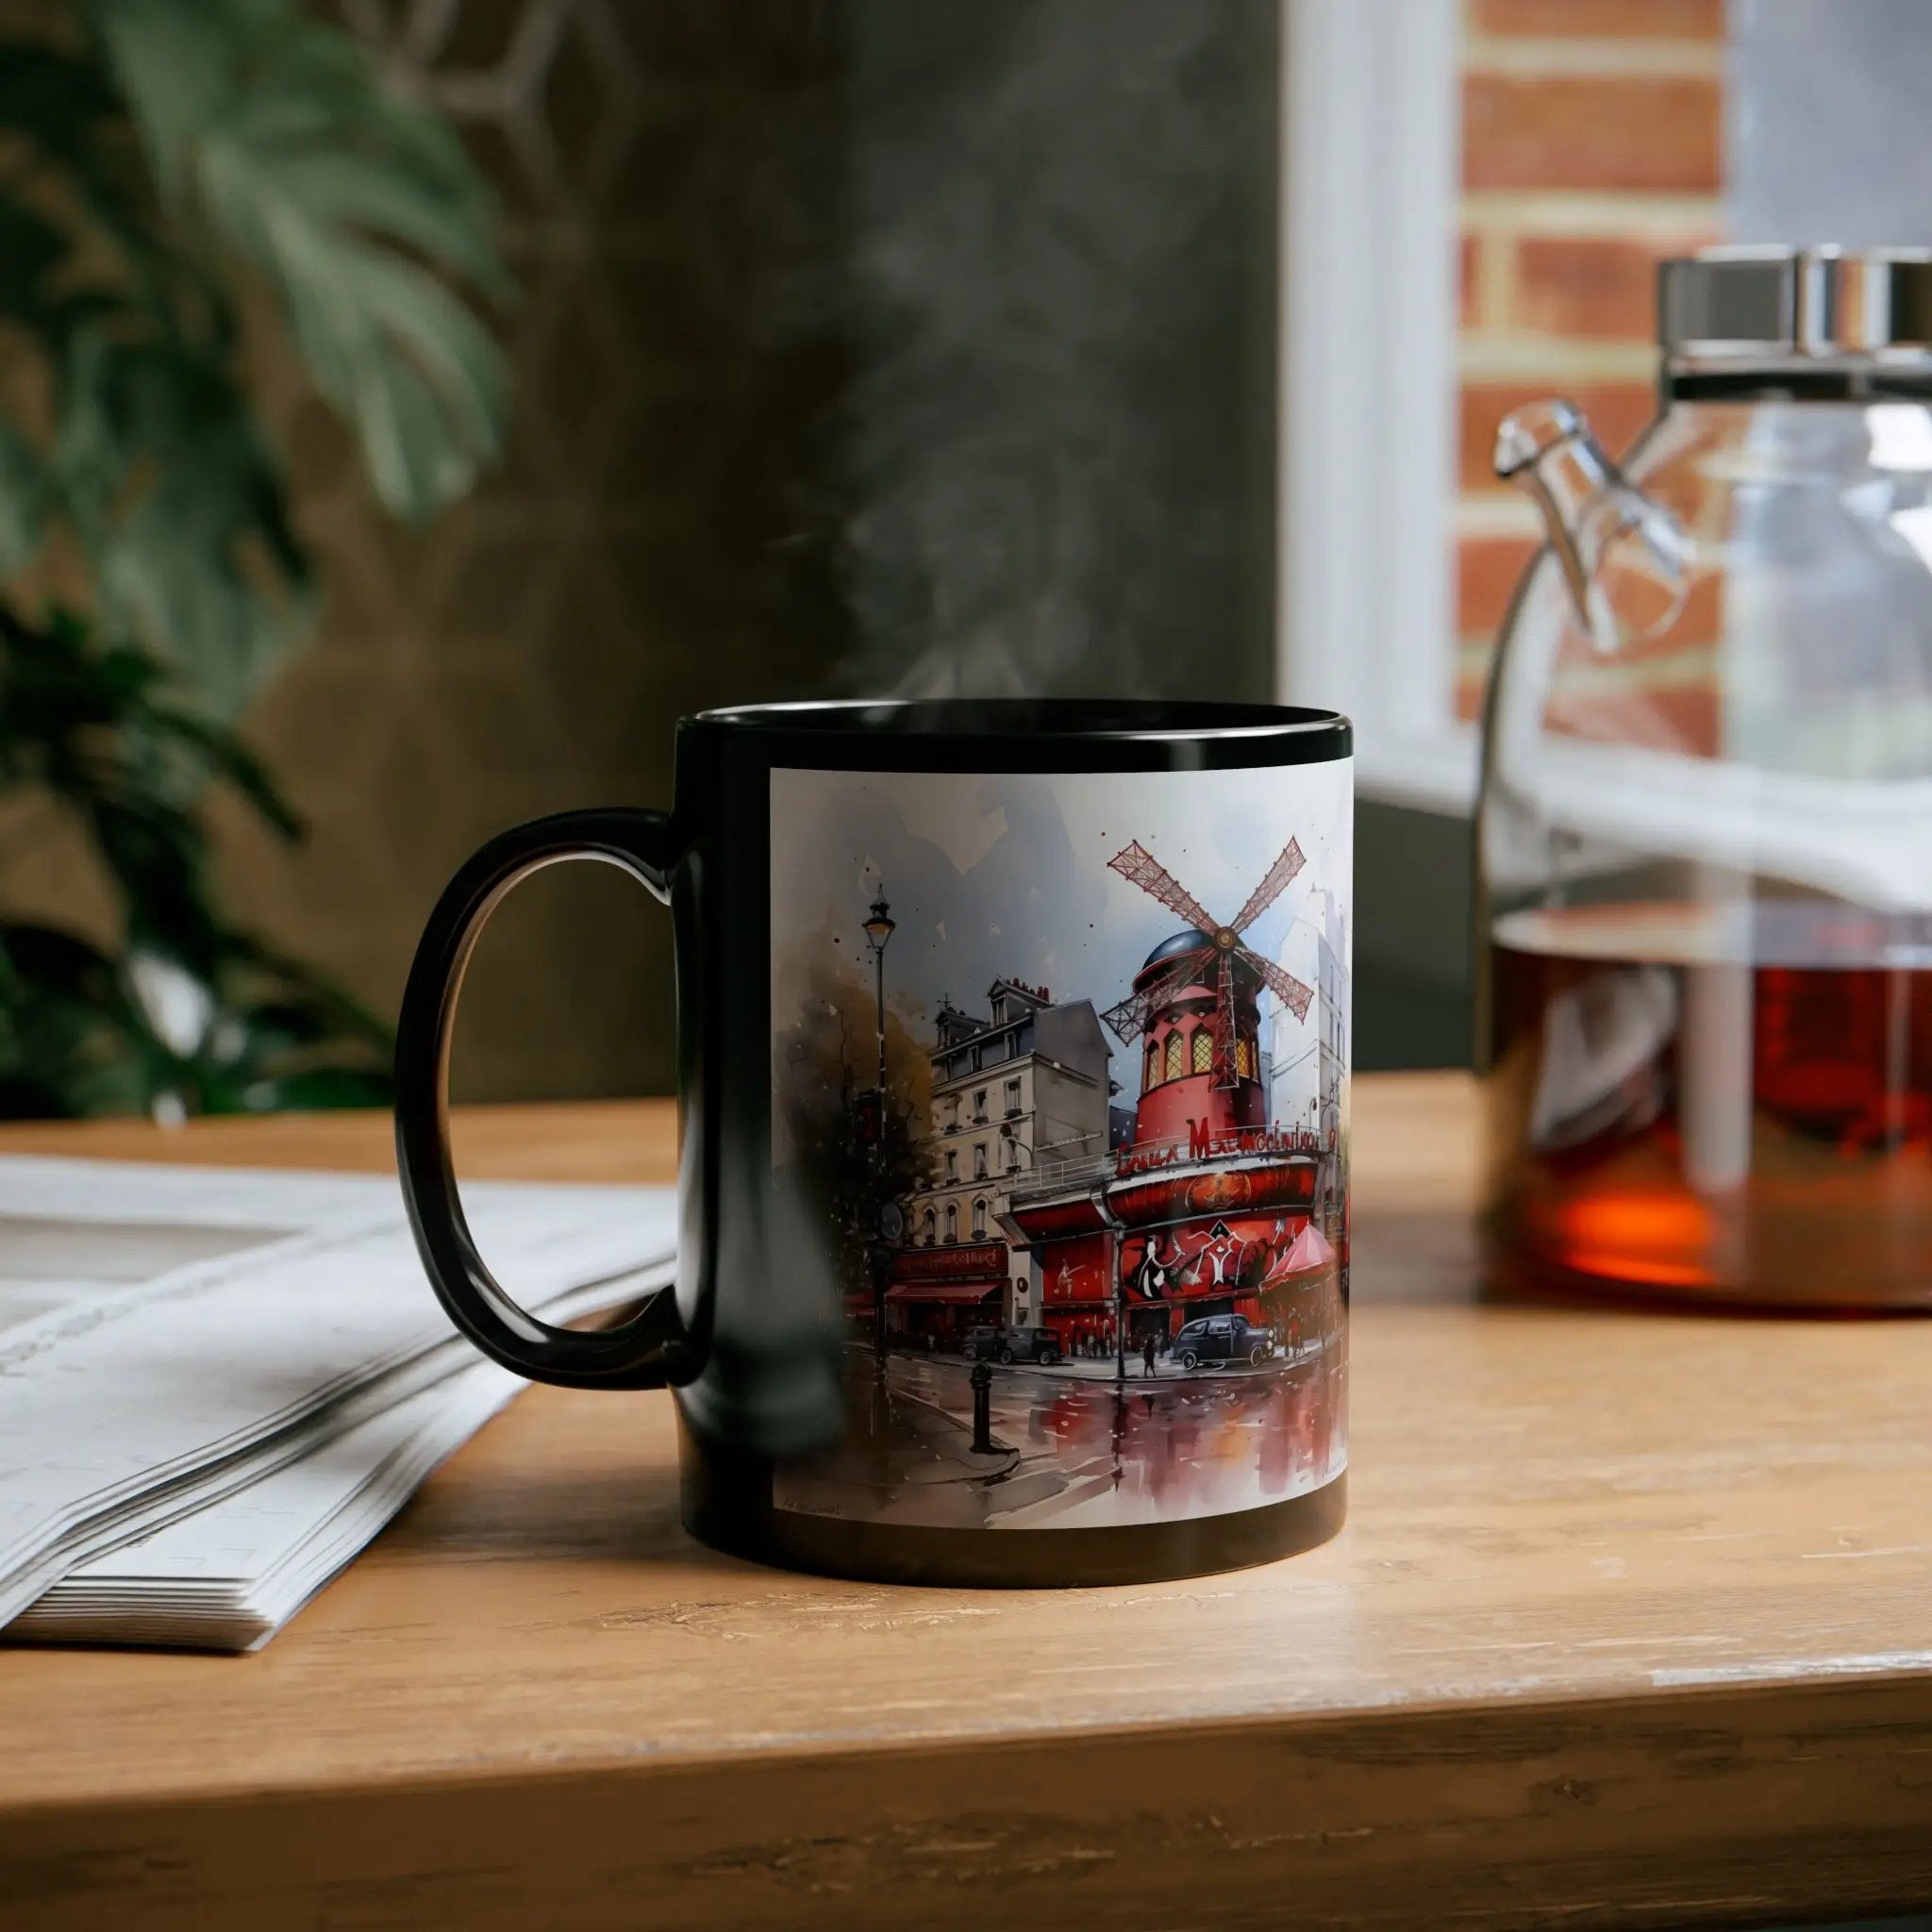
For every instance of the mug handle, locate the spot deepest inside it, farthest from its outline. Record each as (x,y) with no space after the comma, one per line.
(645,1352)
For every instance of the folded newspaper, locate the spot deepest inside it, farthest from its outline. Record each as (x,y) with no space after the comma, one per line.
(216,1385)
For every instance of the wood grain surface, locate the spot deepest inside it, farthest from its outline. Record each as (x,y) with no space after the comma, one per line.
(1631,1624)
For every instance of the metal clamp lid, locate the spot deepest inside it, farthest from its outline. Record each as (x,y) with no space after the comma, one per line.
(1750,307)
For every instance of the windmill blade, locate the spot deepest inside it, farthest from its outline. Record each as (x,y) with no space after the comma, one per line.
(1281,876)
(1226,1073)
(1139,865)
(1284,986)
(1129,1019)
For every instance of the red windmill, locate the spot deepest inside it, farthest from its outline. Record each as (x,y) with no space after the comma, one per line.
(1218,949)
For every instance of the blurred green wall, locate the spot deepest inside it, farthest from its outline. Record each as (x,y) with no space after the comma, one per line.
(1414,877)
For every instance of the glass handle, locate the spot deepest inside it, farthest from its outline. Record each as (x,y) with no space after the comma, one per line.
(1625,558)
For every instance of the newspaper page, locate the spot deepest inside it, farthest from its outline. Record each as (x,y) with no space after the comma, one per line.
(231,1572)
(168,1335)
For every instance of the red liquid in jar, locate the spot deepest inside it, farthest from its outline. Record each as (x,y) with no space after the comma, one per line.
(1719,1103)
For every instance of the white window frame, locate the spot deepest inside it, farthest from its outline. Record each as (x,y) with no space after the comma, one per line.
(1366,435)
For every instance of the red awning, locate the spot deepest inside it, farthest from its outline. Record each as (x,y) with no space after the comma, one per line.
(959,1295)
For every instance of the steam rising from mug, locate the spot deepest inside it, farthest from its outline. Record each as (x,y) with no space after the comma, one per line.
(1063,265)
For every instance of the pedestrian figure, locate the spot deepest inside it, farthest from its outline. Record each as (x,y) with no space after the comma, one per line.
(1147,1352)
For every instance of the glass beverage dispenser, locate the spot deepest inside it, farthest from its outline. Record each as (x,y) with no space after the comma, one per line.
(1706,825)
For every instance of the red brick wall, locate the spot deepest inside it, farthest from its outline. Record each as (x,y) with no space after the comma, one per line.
(1591,148)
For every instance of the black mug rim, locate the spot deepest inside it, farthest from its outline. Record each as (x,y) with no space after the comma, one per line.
(1035,732)
(1089,718)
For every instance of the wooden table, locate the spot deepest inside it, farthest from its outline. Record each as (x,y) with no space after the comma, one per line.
(1632,1625)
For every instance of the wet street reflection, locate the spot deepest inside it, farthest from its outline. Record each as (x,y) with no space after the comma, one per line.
(1077,1451)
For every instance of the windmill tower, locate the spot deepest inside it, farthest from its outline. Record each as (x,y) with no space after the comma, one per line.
(1195,1007)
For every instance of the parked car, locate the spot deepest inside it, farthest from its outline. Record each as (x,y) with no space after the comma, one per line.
(1222,1338)
(1013,1344)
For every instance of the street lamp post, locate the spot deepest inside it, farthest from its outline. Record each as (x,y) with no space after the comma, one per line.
(880,926)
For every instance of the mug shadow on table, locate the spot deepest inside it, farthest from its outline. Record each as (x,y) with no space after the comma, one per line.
(586,1515)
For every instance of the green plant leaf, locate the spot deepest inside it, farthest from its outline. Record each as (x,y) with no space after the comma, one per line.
(63,110)
(412,368)
(53,97)
(177,501)
(295,981)
(23,501)
(31,250)
(146,160)
(222,755)
(316,1088)
(69,1043)
(277,134)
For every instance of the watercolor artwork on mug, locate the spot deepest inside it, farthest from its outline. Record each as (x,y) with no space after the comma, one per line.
(1060,1069)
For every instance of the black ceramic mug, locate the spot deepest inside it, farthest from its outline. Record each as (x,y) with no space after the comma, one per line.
(1013,1082)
